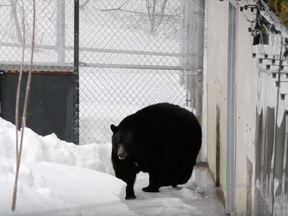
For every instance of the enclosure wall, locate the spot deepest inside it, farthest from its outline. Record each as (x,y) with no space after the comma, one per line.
(217,48)
(245,98)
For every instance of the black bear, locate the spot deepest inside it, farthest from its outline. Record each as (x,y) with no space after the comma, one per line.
(162,139)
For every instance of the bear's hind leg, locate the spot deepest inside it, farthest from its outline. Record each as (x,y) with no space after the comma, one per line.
(154,181)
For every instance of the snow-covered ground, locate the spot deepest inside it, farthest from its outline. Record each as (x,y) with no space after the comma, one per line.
(196,197)
(60,178)
(54,189)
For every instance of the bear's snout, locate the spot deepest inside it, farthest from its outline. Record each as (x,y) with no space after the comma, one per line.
(121,152)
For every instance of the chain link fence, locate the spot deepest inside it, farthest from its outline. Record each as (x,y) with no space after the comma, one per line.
(50,17)
(131,54)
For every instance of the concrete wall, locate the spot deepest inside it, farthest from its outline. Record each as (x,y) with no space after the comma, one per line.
(217,48)
(247,80)
(246,97)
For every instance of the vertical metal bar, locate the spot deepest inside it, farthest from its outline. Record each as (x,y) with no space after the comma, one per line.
(1,92)
(183,49)
(61,30)
(76,73)
(285,169)
(283,179)
(76,36)
(275,127)
(196,24)
(231,113)
(198,47)
(188,14)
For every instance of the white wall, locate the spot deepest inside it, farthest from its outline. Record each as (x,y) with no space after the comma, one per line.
(217,47)
(246,95)
(247,80)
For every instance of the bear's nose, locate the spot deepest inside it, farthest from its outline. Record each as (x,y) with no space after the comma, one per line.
(121,156)
(121,152)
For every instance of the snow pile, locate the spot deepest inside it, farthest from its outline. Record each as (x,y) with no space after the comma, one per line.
(53,189)
(49,148)
(57,188)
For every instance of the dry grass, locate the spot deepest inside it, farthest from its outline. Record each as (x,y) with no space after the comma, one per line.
(280,8)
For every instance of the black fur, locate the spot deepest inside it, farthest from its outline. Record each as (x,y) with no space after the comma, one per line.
(161,139)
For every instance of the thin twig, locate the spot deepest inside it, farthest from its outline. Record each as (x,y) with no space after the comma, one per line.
(148,11)
(118,8)
(153,15)
(139,13)
(15,18)
(83,5)
(162,12)
(24,109)
(19,80)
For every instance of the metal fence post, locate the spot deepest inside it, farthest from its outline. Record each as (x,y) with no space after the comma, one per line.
(196,25)
(231,112)
(76,72)
(61,30)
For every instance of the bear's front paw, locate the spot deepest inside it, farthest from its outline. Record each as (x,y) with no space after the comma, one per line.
(150,189)
(130,197)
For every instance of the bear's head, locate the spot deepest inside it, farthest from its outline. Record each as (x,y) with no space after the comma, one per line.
(122,141)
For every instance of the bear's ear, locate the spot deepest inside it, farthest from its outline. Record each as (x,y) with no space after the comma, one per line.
(113,128)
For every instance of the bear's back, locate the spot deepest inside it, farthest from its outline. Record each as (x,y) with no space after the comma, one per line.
(163,118)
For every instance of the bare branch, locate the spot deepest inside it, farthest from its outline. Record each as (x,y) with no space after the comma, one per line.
(24,109)
(149,14)
(16,22)
(156,16)
(118,8)
(20,78)
(138,12)
(153,16)
(7,26)
(162,12)
(83,5)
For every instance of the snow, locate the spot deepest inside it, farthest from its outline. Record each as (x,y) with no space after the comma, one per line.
(184,200)
(60,178)
(51,149)
(48,188)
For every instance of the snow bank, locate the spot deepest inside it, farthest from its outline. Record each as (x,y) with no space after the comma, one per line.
(53,189)
(49,148)
(54,179)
